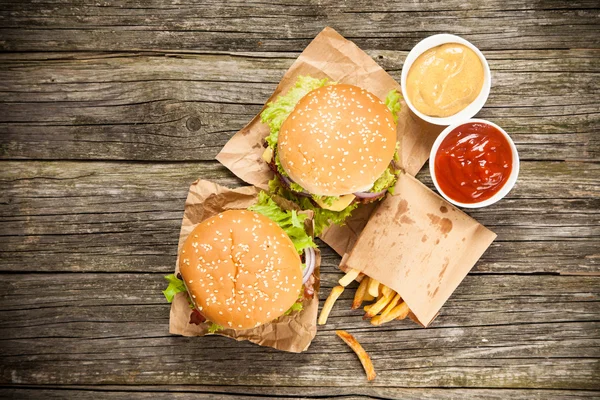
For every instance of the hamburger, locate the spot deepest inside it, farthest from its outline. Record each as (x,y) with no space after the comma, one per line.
(331,147)
(243,268)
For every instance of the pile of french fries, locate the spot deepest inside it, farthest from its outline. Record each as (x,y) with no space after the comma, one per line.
(386,305)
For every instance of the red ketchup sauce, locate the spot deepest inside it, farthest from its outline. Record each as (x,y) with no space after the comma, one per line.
(473,162)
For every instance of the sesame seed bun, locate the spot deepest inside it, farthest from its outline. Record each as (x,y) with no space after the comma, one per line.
(241,269)
(338,140)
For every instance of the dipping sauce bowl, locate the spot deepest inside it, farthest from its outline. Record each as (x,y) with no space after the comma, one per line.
(474,163)
(443,76)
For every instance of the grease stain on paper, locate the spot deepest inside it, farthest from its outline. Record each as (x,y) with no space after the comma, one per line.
(402,209)
(432,295)
(443,271)
(405,219)
(443,224)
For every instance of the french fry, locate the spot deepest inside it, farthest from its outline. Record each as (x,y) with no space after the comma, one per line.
(368,280)
(398,312)
(364,358)
(385,291)
(349,277)
(333,296)
(405,311)
(376,307)
(368,297)
(373,287)
(359,295)
(391,305)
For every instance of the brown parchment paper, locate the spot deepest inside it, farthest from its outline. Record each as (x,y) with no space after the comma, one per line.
(293,332)
(419,245)
(331,56)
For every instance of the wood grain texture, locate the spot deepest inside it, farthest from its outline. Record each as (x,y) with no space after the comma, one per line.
(81,216)
(110,110)
(263,26)
(186,106)
(294,393)
(76,329)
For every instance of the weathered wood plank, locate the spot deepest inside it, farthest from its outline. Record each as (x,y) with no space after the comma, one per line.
(121,25)
(568,219)
(250,393)
(540,60)
(495,332)
(162,107)
(77,216)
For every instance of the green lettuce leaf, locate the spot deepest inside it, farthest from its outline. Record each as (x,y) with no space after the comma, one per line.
(290,221)
(214,328)
(277,111)
(392,101)
(295,187)
(322,218)
(396,153)
(278,164)
(329,200)
(175,286)
(295,307)
(386,180)
(276,188)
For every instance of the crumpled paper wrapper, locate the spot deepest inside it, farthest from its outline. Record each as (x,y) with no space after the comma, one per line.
(293,332)
(419,245)
(332,56)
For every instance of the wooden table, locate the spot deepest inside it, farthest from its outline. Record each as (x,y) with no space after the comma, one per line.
(110,109)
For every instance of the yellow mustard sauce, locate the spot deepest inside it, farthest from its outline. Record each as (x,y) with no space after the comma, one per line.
(444,80)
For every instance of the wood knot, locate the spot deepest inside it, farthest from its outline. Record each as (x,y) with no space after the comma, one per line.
(193,124)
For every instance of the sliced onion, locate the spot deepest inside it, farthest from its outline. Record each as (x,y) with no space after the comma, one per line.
(369,195)
(310,259)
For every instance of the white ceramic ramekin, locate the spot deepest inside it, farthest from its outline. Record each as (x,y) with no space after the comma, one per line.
(471,109)
(510,183)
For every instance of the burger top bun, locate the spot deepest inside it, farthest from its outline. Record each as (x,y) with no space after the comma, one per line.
(241,269)
(338,140)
